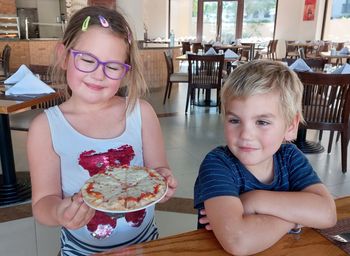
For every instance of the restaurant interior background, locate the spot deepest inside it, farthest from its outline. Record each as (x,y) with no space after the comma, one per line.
(260,20)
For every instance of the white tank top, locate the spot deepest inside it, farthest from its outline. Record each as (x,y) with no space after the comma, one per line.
(81,157)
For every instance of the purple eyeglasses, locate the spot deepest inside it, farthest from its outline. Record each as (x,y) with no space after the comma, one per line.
(87,63)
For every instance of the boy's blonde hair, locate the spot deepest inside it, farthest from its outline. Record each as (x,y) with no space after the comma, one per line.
(134,81)
(261,77)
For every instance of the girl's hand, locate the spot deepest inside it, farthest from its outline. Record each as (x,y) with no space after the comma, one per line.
(204,220)
(73,213)
(172,183)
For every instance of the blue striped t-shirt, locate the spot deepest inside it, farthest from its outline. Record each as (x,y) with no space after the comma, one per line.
(222,174)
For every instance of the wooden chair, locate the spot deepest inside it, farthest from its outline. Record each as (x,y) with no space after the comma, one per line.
(316,64)
(5,61)
(326,106)
(291,51)
(172,77)
(271,50)
(42,71)
(196,47)
(204,72)
(186,47)
(247,54)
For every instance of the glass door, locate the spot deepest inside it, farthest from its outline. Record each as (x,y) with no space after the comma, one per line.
(219,20)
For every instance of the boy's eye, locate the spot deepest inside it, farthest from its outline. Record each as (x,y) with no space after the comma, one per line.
(233,120)
(262,122)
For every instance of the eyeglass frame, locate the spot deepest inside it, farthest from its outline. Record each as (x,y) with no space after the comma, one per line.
(127,67)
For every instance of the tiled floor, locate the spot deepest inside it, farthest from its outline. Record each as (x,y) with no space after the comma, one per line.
(187,139)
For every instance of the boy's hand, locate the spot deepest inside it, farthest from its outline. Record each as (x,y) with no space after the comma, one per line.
(172,183)
(73,213)
(204,220)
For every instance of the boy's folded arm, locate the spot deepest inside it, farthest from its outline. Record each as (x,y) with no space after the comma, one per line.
(311,207)
(239,233)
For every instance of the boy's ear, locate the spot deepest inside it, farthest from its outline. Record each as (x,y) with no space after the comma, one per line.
(292,129)
(60,51)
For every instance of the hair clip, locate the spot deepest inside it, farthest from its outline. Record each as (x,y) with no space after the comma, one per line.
(103,21)
(85,24)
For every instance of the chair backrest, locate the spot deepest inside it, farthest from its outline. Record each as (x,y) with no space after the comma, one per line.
(289,47)
(326,100)
(196,47)
(301,52)
(207,47)
(205,71)
(169,62)
(316,64)
(6,60)
(42,71)
(186,47)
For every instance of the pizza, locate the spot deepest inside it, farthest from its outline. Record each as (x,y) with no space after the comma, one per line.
(125,188)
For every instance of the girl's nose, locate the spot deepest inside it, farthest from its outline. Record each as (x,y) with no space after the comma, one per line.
(99,74)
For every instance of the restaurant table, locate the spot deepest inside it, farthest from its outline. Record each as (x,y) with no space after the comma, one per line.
(202,242)
(329,56)
(11,189)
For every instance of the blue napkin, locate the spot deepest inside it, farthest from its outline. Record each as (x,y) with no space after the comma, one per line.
(211,51)
(29,84)
(18,75)
(344,69)
(229,54)
(300,65)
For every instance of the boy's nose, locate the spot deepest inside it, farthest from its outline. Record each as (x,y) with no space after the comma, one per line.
(246,132)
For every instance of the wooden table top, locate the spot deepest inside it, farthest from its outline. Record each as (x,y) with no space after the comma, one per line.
(10,103)
(202,242)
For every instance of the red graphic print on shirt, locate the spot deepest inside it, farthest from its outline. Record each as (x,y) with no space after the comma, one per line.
(97,162)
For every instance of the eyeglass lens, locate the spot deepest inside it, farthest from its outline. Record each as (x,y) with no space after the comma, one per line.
(89,63)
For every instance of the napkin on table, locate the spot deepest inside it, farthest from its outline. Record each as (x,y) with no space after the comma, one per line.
(229,54)
(29,84)
(344,69)
(18,75)
(211,51)
(300,65)
(344,50)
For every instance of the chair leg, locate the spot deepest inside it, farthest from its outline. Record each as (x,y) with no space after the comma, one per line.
(166,92)
(169,91)
(344,150)
(330,142)
(189,92)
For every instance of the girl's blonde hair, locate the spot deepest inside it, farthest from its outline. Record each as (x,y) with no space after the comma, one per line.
(261,77)
(134,81)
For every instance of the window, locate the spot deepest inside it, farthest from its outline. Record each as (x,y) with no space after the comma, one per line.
(337,26)
(222,20)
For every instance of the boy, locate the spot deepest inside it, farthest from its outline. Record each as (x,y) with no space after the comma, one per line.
(256,189)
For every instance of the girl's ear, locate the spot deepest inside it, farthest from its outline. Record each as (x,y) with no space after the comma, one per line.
(61,51)
(292,130)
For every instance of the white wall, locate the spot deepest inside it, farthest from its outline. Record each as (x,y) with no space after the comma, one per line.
(156,18)
(133,11)
(290,24)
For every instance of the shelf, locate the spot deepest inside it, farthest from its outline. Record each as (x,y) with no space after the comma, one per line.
(9,25)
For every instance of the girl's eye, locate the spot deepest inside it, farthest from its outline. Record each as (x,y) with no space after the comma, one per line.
(262,122)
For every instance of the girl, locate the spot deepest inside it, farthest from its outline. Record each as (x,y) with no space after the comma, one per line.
(93,129)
